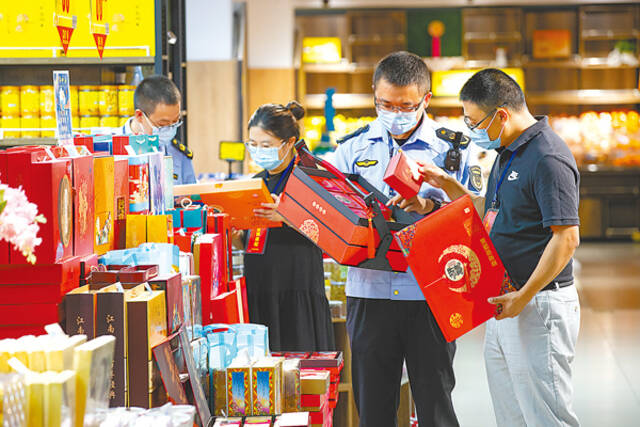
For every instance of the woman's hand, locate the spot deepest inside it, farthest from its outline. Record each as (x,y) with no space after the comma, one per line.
(268,210)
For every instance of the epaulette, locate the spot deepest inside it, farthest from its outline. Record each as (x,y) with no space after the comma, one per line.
(353,134)
(449,136)
(182,148)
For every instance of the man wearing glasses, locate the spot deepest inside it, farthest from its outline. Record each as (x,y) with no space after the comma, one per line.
(157,104)
(388,320)
(531,209)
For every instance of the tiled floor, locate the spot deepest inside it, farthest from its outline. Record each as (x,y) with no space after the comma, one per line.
(607,366)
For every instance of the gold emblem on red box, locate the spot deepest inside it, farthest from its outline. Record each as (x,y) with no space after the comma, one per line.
(456,320)
(83,207)
(311,230)
(64,210)
(461,262)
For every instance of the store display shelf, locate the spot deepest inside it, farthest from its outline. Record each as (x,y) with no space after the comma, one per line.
(351,68)
(585,97)
(477,37)
(134,60)
(590,63)
(609,35)
(376,38)
(340,101)
(12,142)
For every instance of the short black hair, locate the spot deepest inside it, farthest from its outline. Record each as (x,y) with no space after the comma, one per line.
(155,90)
(491,88)
(279,120)
(403,69)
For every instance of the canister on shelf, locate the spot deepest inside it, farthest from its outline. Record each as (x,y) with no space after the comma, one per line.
(125,100)
(30,122)
(47,101)
(108,100)
(48,121)
(88,104)
(10,121)
(29,100)
(73,96)
(109,121)
(88,122)
(10,98)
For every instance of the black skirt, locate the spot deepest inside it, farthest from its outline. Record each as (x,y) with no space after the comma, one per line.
(285,290)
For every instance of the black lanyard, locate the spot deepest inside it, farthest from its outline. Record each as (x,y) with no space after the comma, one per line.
(504,172)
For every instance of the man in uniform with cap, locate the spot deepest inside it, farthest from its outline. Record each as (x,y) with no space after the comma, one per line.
(157,103)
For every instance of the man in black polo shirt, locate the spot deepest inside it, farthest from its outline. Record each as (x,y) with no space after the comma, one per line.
(531,206)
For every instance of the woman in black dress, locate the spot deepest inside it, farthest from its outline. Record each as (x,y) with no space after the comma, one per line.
(285,284)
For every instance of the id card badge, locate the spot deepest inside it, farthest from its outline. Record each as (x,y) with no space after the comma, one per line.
(257,241)
(489,219)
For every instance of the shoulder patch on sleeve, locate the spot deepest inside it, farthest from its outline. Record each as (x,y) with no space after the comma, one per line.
(353,134)
(449,136)
(475,177)
(182,148)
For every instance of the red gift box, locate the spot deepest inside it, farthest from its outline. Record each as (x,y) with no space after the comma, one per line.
(220,223)
(47,182)
(222,309)
(401,175)
(313,402)
(121,200)
(87,141)
(457,270)
(17,331)
(25,314)
(336,218)
(83,196)
(208,255)
(119,142)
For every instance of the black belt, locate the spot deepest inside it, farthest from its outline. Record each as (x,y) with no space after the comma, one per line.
(554,286)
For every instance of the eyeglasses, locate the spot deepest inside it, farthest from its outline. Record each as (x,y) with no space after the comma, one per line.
(387,106)
(263,144)
(167,127)
(467,120)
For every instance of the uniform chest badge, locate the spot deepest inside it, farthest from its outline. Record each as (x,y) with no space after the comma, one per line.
(366,163)
(475,176)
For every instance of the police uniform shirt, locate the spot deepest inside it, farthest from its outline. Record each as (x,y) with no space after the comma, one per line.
(367,152)
(183,172)
(540,189)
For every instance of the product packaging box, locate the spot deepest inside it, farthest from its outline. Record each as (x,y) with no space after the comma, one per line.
(139,184)
(402,175)
(104,204)
(146,327)
(336,218)
(457,270)
(121,200)
(136,230)
(171,284)
(266,375)
(238,198)
(239,390)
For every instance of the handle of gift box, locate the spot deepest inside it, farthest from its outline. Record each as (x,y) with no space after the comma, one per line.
(304,155)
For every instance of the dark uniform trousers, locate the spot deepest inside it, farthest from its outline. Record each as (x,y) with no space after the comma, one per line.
(385,332)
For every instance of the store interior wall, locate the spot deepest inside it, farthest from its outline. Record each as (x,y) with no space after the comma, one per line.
(213,82)
(270,34)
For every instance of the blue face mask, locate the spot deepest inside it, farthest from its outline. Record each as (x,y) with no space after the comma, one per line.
(165,133)
(481,137)
(397,123)
(266,158)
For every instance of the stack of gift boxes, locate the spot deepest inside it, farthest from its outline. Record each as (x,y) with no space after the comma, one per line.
(319,378)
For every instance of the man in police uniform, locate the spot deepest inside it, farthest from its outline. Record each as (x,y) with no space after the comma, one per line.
(388,320)
(157,104)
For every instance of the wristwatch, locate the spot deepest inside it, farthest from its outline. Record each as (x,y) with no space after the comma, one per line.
(437,204)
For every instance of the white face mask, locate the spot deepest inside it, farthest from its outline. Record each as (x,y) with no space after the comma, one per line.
(397,123)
